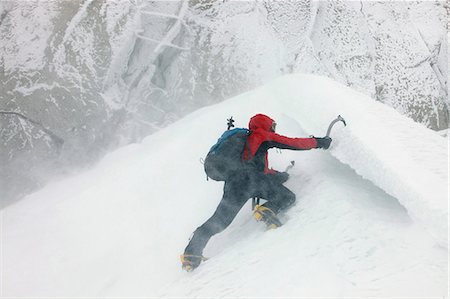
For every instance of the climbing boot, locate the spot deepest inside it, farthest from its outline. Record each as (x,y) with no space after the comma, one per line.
(189,262)
(261,213)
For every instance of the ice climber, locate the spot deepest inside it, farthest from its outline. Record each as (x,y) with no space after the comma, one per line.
(253,179)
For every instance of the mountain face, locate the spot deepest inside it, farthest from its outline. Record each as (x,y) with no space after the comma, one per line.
(370,218)
(82,77)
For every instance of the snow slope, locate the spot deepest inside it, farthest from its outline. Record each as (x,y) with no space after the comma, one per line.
(370,219)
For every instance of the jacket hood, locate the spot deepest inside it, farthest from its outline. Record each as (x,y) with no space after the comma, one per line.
(260,121)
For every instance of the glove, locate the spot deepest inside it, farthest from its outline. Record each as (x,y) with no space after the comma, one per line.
(281,177)
(323,142)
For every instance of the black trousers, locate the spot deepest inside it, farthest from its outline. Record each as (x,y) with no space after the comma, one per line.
(236,192)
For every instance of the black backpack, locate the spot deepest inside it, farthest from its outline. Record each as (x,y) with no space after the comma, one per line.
(225,157)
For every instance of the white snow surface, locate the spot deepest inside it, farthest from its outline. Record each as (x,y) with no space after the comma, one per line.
(370,218)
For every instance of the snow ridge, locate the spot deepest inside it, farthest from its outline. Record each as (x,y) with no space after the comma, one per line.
(118,229)
(405,159)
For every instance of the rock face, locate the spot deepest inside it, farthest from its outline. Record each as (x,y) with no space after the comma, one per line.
(82,77)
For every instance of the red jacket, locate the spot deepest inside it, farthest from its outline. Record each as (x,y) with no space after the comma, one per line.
(262,138)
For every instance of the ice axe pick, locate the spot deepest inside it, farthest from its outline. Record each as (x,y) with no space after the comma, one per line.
(338,118)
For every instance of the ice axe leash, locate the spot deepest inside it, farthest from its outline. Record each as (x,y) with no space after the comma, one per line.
(337,119)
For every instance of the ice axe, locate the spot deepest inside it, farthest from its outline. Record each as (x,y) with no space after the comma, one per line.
(290,166)
(338,118)
(256,199)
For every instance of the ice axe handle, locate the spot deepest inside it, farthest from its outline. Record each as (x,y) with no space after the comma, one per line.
(338,118)
(290,166)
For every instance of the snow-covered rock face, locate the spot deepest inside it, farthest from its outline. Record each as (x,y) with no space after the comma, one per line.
(100,74)
(369,221)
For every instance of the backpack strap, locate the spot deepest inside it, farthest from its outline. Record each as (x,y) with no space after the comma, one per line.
(246,147)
